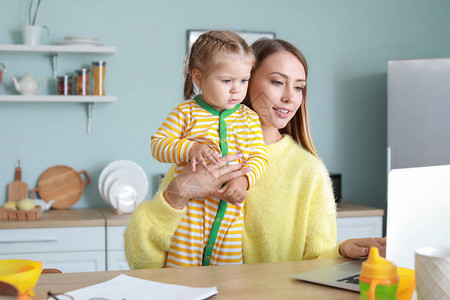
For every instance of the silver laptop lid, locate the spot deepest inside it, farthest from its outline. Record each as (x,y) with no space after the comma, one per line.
(418,211)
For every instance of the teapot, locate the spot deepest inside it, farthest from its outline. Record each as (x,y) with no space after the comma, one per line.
(28,85)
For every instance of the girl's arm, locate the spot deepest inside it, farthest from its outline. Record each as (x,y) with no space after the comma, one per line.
(258,156)
(168,146)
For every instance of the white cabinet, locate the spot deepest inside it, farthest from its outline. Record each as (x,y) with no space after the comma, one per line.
(115,255)
(69,249)
(358,221)
(67,262)
(359,227)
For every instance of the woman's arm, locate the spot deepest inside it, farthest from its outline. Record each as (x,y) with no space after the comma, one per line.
(148,233)
(322,228)
(153,223)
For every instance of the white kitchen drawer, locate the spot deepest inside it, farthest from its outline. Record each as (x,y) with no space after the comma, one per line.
(116,260)
(359,227)
(35,240)
(67,262)
(114,237)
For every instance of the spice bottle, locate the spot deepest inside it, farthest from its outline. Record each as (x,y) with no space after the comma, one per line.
(82,82)
(98,75)
(64,85)
(378,279)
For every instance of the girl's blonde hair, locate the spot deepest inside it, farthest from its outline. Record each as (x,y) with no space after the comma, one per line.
(298,126)
(206,51)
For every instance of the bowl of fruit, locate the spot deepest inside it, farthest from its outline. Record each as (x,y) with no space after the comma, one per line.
(22,210)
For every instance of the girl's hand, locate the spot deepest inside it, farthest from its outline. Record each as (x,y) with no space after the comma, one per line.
(235,191)
(200,154)
(202,183)
(357,248)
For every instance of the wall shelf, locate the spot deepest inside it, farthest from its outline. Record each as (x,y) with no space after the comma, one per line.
(53,51)
(56,98)
(58,49)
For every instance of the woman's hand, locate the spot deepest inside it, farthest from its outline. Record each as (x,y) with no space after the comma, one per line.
(357,248)
(202,183)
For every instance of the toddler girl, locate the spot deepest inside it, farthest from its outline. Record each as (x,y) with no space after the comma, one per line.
(200,129)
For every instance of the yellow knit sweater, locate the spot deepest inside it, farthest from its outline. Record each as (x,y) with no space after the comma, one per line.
(290,214)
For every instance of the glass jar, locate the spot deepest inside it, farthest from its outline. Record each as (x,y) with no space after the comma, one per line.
(82,82)
(98,75)
(64,85)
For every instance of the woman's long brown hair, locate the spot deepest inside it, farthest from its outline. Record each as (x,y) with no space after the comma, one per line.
(298,126)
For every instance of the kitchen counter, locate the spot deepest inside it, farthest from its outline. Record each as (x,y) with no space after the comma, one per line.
(108,217)
(60,218)
(348,209)
(86,240)
(114,219)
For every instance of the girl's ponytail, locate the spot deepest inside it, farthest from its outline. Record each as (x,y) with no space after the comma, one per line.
(188,86)
(188,91)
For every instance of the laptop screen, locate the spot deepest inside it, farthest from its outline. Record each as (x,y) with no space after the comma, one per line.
(418,212)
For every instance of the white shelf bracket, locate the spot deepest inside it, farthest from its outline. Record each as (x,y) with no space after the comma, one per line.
(90,109)
(55,69)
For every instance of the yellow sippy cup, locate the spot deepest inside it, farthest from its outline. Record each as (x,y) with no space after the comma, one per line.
(378,279)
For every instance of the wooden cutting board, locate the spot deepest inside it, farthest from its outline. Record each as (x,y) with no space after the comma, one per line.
(17,189)
(62,184)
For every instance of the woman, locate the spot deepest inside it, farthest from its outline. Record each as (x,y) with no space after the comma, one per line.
(290,214)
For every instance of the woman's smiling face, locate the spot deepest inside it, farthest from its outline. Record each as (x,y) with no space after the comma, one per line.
(275,90)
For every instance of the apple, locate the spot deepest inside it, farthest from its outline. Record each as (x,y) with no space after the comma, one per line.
(26,204)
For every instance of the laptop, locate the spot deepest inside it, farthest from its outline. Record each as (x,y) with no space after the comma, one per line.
(417,216)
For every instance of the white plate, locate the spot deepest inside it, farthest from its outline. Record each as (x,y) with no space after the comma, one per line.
(124,169)
(126,176)
(103,188)
(91,39)
(108,170)
(134,173)
(79,43)
(124,193)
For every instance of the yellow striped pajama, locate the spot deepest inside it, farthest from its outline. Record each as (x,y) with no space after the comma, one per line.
(192,122)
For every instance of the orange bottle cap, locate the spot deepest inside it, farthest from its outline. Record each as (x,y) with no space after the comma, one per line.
(376,267)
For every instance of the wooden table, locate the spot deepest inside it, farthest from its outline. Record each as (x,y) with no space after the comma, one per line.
(249,281)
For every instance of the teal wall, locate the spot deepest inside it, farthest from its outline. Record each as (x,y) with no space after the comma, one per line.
(347,44)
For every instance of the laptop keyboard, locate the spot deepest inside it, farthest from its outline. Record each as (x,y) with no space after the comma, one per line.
(352,279)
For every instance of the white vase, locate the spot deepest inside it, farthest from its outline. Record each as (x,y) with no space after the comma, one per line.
(31,34)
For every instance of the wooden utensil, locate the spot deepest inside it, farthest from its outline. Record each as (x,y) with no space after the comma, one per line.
(18,189)
(62,184)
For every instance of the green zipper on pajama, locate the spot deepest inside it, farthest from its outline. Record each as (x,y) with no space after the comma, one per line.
(224,149)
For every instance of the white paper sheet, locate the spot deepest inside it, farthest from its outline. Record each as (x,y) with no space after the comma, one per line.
(130,288)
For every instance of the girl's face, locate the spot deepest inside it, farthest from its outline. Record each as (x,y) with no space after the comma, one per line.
(225,84)
(276,90)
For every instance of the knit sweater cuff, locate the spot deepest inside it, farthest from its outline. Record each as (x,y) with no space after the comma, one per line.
(163,215)
(331,252)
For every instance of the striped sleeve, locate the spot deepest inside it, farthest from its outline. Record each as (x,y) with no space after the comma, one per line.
(258,157)
(168,144)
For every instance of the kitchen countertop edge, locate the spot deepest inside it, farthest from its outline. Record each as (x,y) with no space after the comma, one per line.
(88,217)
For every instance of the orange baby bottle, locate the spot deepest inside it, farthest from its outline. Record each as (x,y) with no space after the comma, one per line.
(378,279)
